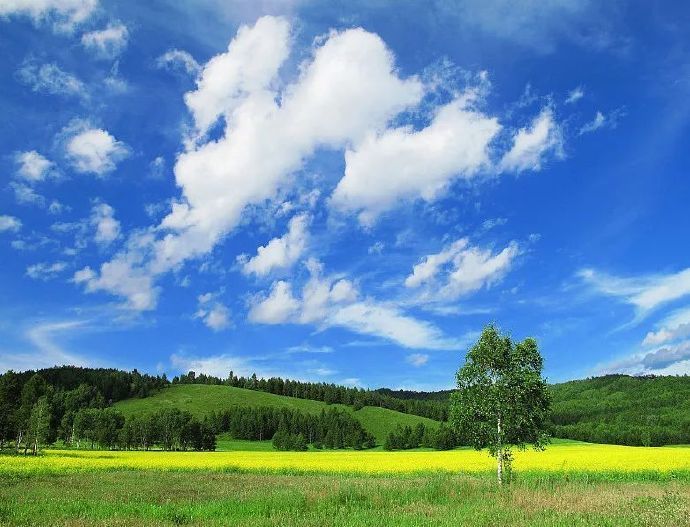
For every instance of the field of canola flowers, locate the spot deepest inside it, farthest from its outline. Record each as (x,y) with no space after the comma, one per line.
(562,458)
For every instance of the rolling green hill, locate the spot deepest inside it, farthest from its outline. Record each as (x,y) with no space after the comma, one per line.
(201,399)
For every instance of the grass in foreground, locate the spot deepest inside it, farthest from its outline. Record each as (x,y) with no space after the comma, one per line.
(150,497)
(562,458)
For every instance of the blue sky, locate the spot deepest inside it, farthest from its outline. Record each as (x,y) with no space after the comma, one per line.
(344,192)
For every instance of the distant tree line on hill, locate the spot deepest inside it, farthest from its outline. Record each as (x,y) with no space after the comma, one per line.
(332,428)
(420,436)
(328,393)
(40,407)
(623,410)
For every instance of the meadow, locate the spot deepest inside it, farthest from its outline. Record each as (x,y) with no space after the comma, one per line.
(568,484)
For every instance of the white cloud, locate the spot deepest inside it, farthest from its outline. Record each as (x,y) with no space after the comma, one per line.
(103,220)
(532,145)
(276,308)
(602,121)
(26,195)
(157,167)
(217,365)
(460,269)
(280,253)
(179,59)
(56,207)
(672,359)
(213,313)
(106,43)
(334,302)
(645,293)
(45,271)
(33,167)
(417,359)
(95,151)
(64,14)
(9,223)
(403,163)
(674,327)
(575,95)
(50,79)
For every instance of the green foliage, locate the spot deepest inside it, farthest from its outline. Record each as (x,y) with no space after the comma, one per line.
(619,409)
(502,400)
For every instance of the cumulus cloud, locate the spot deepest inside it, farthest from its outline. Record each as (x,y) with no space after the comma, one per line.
(672,359)
(9,223)
(95,151)
(460,269)
(104,222)
(345,97)
(403,163)
(328,301)
(65,15)
(33,167)
(50,79)
(212,312)
(45,271)
(176,59)
(106,43)
(532,144)
(645,293)
(279,253)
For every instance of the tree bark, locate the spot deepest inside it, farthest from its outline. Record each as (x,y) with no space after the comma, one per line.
(499,454)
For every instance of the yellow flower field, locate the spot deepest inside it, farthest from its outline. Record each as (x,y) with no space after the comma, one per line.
(569,457)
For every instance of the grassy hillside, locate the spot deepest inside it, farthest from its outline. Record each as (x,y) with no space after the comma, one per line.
(200,399)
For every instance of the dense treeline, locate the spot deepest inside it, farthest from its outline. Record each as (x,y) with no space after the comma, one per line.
(407,437)
(331,428)
(620,409)
(328,393)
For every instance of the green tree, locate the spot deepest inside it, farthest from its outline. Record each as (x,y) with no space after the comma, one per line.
(501,399)
(39,424)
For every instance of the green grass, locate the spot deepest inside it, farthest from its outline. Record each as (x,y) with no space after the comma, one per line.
(149,497)
(200,399)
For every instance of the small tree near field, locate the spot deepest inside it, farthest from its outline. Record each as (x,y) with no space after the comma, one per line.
(501,399)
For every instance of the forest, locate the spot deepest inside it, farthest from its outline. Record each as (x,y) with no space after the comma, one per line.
(73,405)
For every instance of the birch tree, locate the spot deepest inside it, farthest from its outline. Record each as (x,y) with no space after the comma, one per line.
(501,401)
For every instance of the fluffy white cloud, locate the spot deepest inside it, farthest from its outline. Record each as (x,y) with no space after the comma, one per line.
(460,269)
(45,271)
(672,359)
(50,79)
(217,365)
(280,253)
(276,308)
(329,301)
(65,14)
(103,220)
(213,313)
(95,151)
(9,223)
(646,293)
(532,145)
(178,59)
(106,43)
(33,166)
(403,163)
(602,121)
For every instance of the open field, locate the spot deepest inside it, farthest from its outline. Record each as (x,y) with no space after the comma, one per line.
(153,497)
(561,458)
(201,399)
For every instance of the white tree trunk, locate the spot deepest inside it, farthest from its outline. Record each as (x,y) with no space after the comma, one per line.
(499,454)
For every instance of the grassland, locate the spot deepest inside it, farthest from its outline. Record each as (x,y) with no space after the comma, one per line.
(569,484)
(202,399)
(151,497)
